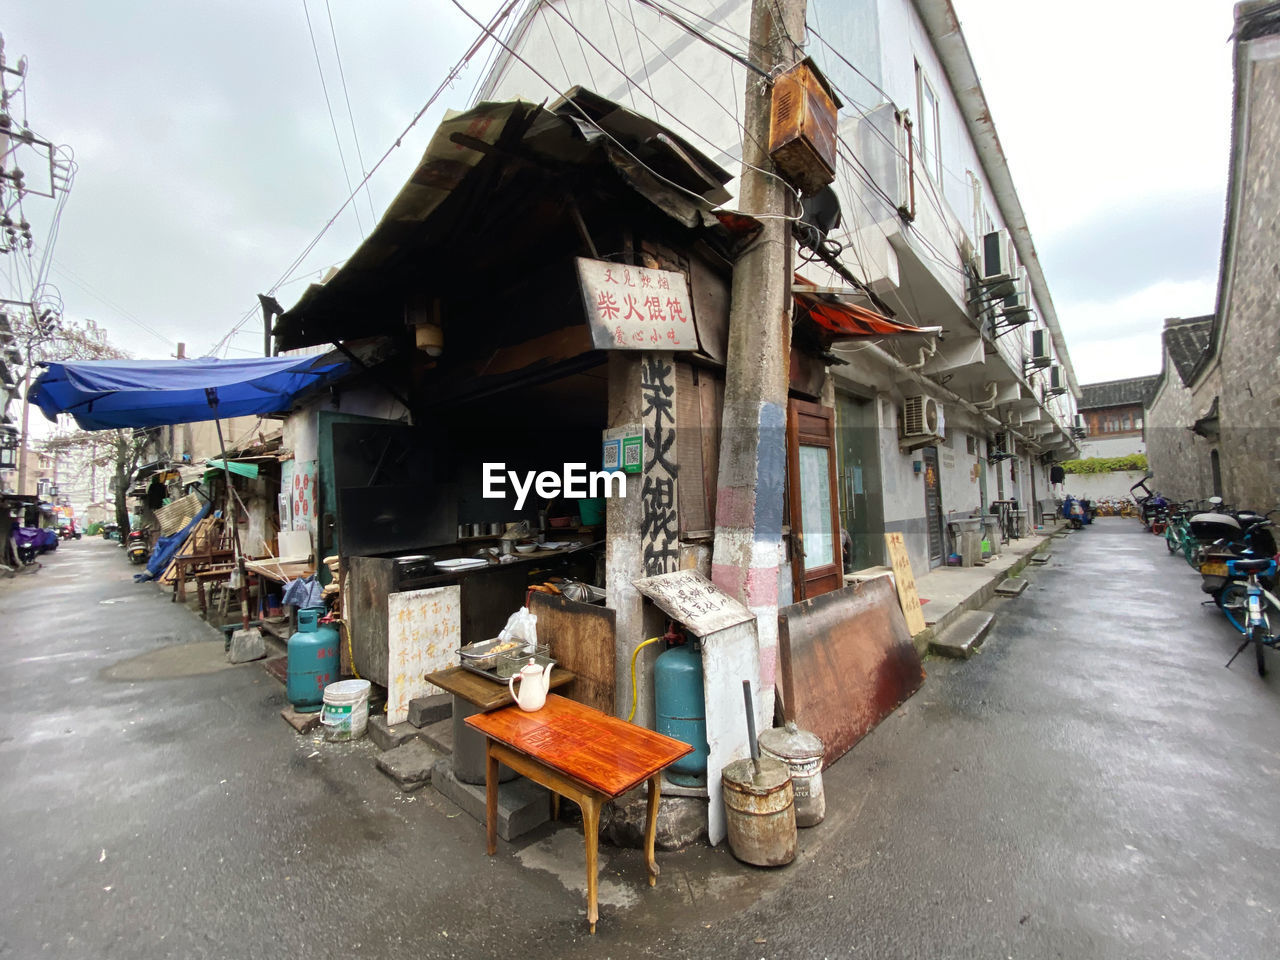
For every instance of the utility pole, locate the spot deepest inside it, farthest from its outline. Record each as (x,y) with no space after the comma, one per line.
(752,481)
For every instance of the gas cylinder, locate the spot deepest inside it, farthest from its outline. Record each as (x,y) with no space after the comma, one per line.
(681,710)
(312,661)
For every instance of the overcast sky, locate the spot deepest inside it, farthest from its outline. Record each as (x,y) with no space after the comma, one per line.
(207,160)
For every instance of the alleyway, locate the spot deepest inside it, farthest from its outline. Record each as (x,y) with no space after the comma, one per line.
(1093,785)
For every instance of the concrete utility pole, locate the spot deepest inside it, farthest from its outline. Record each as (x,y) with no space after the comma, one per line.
(752,481)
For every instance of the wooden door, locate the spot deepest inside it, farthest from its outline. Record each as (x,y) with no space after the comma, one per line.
(816,565)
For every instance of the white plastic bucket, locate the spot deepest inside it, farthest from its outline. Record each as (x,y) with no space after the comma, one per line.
(346,710)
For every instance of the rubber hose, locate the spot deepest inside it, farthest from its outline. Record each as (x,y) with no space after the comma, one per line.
(634,691)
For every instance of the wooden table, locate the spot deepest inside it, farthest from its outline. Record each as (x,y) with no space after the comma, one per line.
(473,694)
(580,753)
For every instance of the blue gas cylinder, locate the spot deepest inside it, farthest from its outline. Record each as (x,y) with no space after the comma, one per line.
(681,710)
(312,661)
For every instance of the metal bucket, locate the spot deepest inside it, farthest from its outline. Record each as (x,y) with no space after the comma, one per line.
(802,752)
(760,812)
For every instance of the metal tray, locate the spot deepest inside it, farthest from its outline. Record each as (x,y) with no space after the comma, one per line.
(504,666)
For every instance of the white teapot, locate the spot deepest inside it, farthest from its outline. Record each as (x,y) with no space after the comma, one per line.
(535,681)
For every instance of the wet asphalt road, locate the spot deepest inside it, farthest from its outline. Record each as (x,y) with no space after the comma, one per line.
(1093,785)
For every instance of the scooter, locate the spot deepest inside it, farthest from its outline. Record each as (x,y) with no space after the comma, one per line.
(138,546)
(1076,512)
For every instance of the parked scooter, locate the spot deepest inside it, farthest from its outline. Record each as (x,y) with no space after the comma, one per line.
(1076,512)
(138,546)
(1152,508)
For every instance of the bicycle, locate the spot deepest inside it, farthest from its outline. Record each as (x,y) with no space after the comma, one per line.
(1242,604)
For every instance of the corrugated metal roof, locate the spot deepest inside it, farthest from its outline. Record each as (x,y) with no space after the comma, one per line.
(445,213)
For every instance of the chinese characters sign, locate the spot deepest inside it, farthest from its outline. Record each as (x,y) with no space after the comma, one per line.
(688,597)
(635,308)
(660,527)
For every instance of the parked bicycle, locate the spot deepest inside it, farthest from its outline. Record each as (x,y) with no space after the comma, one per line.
(1242,602)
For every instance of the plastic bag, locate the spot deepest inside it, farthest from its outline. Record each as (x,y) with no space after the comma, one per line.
(521,625)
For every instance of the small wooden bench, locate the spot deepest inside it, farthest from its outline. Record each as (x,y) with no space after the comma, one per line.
(577,752)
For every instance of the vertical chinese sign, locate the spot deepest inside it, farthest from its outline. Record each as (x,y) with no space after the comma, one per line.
(636,308)
(660,525)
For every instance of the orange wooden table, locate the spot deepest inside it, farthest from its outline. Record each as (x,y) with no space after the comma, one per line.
(577,752)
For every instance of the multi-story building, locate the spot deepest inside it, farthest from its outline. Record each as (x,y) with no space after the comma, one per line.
(929,228)
(1113,414)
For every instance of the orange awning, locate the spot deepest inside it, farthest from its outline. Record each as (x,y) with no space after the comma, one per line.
(834,318)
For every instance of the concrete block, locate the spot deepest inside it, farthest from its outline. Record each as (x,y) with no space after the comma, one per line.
(962,638)
(246,645)
(439,735)
(389,736)
(522,804)
(682,821)
(424,711)
(1011,586)
(302,722)
(409,764)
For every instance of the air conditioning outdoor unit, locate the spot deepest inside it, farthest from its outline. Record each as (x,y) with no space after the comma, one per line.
(1057,381)
(921,417)
(1040,355)
(997,265)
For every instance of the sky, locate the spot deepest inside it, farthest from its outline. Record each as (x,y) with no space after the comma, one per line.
(207,158)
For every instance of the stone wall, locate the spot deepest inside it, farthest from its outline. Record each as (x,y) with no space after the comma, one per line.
(1177,457)
(1250,392)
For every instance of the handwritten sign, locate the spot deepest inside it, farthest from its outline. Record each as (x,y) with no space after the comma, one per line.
(635,308)
(908,599)
(660,525)
(424,631)
(691,599)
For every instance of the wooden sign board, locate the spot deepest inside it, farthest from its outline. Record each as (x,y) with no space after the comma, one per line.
(908,599)
(636,308)
(688,597)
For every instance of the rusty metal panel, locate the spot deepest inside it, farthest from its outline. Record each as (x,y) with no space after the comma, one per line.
(846,661)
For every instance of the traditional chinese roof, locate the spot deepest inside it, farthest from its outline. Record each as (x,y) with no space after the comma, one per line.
(1116,393)
(1185,342)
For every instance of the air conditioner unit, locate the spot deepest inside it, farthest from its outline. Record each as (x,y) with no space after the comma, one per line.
(921,417)
(1040,349)
(996,265)
(1057,384)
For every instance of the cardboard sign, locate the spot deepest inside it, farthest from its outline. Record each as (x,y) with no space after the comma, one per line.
(908,599)
(635,308)
(690,598)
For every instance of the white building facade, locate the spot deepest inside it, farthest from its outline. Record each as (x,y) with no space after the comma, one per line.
(927,209)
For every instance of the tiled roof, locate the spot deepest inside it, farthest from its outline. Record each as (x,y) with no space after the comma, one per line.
(1116,393)
(1186,340)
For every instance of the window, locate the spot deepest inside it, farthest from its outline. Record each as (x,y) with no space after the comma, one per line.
(927,126)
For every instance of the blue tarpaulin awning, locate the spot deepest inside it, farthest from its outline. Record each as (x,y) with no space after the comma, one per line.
(110,394)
